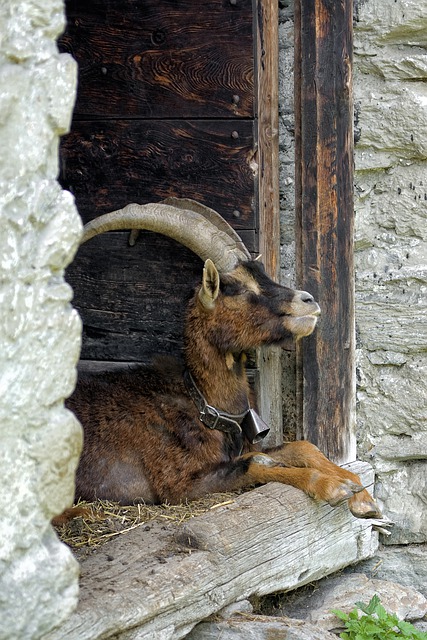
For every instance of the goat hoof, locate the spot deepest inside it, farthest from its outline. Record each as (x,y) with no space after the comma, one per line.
(355,487)
(345,491)
(364,506)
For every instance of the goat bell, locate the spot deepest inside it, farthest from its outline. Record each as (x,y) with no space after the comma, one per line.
(254,428)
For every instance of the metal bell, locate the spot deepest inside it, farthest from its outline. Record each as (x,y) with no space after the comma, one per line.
(254,428)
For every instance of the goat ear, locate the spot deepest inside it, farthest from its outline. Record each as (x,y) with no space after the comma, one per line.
(210,285)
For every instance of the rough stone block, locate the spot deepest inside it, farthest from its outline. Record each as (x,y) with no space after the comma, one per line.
(259,628)
(342,592)
(393,122)
(402,489)
(388,404)
(398,22)
(403,447)
(406,565)
(39,331)
(393,202)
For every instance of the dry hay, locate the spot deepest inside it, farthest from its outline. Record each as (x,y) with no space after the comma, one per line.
(104,520)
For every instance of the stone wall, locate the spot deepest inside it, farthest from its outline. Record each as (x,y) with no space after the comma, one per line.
(390,65)
(39,330)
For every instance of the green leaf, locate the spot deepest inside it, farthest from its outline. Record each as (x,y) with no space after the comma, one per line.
(369,608)
(376,624)
(381,612)
(406,627)
(340,614)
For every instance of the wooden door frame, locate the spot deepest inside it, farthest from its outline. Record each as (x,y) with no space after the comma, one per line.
(325,221)
(267,78)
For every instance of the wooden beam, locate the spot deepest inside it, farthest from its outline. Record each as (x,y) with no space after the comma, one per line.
(159,580)
(267,20)
(324,180)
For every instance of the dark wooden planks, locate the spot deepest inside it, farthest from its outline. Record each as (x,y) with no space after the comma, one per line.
(157,58)
(170,103)
(325,220)
(132,299)
(107,165)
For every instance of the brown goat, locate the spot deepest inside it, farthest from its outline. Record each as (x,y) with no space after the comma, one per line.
(173,431)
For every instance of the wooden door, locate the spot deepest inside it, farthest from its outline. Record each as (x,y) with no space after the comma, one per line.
(175,98)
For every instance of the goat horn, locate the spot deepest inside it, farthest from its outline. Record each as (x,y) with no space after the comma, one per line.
(212,216)
(206,234)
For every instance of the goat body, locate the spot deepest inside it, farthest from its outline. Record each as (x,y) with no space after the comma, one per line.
(143,435)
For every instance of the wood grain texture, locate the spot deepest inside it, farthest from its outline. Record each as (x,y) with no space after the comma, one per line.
(268,134)
(107,165)
(158,581)
(132,299)
(156,58)
(324,139)
(270,393)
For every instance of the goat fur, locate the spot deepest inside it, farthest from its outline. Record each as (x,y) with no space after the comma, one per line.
(143,437)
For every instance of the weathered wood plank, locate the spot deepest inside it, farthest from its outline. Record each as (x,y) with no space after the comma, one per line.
(325,222)
(156,58)
(158,584)
(269,360)
(132,299)
(107,165)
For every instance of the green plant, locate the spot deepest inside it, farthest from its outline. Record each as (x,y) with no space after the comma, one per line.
(376,624)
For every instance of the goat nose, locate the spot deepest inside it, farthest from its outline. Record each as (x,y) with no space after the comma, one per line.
(306,297)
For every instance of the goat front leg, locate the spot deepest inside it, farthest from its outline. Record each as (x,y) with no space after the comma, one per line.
(334,490)
(307,455)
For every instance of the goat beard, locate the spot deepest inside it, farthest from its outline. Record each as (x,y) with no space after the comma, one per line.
(300,326)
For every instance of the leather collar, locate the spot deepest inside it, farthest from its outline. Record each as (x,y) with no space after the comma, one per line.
(210,416)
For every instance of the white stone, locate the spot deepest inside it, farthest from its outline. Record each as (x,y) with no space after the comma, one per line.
(391,256)
(402,489)
(39,331)
(403,447)
(392,23)
(393,121)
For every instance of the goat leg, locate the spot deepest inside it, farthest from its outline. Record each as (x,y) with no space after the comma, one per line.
(305,454)
(317,485)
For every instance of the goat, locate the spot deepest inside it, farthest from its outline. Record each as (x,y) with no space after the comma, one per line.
(175,431)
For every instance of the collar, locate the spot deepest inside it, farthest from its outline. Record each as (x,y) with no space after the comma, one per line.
(210,416)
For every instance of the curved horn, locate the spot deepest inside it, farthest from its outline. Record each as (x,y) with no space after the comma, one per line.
(212,216)
(190,227)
